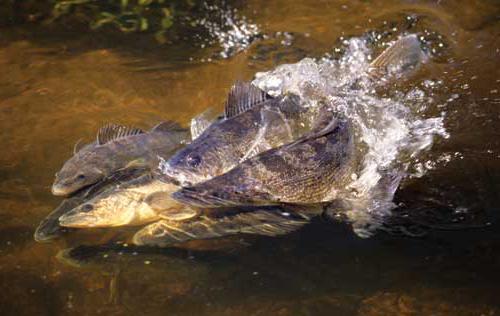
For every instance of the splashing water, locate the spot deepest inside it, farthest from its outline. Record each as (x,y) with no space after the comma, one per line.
(389,131)
(231,31)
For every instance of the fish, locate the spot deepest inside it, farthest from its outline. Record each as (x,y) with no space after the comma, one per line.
(313,169)
(252,122)
(266,221)
(136,202)
(400,59)
(117,147)
(50,229)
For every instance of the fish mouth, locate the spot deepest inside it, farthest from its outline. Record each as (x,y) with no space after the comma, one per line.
(59,190)
(179,176)
(45,236)
(193,197)
(79,220)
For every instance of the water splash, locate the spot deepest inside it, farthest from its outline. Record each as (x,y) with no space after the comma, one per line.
(230,30)
(390,131)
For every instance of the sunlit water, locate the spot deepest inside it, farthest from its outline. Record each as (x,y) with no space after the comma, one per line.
(438,126)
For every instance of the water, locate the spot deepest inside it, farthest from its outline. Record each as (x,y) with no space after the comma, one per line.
(59,84)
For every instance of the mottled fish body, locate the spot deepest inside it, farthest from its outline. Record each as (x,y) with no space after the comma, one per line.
(117,148)
(50,228)
(136,202)
(253,122)
(312,169)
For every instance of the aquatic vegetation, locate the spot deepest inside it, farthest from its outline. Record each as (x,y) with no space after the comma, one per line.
(128,16)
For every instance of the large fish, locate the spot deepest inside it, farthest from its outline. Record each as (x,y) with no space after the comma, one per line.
(139,201)
(116,148)
(267,221)
(253,122)
(50,228)
(313,169)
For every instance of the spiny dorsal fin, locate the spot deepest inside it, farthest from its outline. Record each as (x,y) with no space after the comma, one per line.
(242,97)
(403,54)
(167,126)
(201,122)
(111,132)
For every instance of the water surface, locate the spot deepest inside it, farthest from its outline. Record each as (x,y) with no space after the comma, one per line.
(59,84)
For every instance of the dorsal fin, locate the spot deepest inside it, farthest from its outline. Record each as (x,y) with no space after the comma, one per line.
(201,122)
(242,97)
(110,132)
(167,126)
(78,146)
(403,54)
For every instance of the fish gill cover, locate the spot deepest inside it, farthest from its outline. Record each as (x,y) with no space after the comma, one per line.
(391,130)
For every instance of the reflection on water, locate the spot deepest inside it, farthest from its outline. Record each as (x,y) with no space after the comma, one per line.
(58,85)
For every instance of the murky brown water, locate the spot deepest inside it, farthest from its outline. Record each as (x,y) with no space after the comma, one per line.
(59,84)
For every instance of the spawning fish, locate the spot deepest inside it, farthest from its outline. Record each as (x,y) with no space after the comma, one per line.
(136,202)
(50,229)
(253,122)
(312,169)
(116,148)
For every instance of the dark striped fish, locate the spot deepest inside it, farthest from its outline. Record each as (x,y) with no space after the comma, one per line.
(253,122)
(310,170)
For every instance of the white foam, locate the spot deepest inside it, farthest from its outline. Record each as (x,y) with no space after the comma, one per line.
(233,32)
(391,133)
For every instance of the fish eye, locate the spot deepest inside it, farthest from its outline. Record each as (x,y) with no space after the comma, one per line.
(193,161)
(87,207)
(80,177)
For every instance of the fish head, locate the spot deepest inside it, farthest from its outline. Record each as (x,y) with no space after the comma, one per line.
(109,211)
(48,230)
(195,164)
(78,172)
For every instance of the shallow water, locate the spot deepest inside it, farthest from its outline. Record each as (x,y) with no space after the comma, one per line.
(59,84)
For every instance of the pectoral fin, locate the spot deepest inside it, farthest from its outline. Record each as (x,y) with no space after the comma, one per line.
(178,214)
(160,201)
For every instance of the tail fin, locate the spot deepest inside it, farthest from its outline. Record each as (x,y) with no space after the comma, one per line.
(405,54)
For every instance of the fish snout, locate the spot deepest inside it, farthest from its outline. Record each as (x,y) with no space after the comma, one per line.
(60,190)
(174,176)
(79,217)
